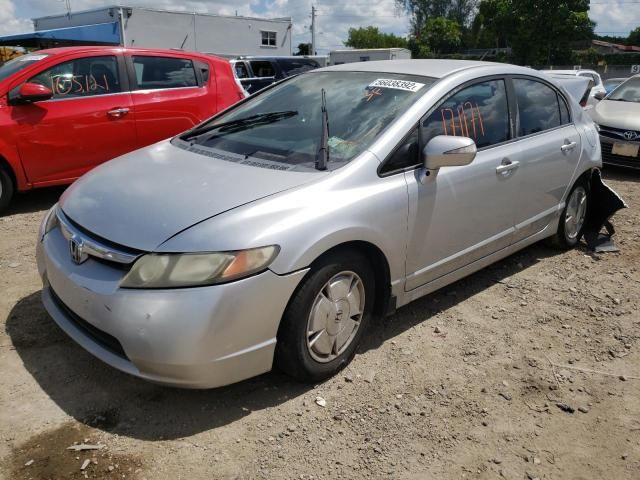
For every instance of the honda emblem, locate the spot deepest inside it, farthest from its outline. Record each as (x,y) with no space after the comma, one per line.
(76,250)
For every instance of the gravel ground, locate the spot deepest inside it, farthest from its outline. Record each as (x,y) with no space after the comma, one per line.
(527,369)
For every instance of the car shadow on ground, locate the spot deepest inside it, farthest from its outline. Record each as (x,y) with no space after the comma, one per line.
(34,201)
(621,174)
(99,396)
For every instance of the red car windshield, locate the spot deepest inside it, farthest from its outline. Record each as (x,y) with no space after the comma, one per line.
(17,64)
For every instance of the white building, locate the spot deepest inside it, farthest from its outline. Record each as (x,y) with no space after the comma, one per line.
(338,57)
(154,28)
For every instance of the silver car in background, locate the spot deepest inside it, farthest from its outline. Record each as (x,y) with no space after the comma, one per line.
(618,118)
(276,231)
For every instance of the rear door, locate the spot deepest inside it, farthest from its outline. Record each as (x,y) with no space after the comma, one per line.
(550,147)
(87,121)
(169,95)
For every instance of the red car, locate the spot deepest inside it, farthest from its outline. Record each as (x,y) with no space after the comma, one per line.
(65,110)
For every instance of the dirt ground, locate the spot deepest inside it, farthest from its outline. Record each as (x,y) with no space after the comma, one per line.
(527,369)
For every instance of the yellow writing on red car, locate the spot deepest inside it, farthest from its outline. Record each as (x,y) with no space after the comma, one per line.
(79,84)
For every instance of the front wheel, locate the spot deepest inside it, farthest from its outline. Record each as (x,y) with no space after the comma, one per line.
(326,317)
(572,220)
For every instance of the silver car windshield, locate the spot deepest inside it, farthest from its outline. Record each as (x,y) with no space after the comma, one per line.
(284,124)
(629,91)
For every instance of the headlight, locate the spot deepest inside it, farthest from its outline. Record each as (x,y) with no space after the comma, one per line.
(49,222)
(197,269)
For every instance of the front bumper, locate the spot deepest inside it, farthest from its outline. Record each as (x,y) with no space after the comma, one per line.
(193,337)
(609,158)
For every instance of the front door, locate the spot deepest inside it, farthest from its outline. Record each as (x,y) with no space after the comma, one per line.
(86,122)
(464,213)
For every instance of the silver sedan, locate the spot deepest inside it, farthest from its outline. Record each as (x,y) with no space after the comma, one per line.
(274,233)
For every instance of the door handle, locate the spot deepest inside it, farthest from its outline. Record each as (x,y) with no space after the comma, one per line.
(506,167)
(568,146)
(118,112)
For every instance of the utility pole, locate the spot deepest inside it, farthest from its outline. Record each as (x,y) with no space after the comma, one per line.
(313,30)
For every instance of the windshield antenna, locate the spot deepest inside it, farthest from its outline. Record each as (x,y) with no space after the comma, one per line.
(323,152)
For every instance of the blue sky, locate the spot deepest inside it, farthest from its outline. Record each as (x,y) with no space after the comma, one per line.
(335,17)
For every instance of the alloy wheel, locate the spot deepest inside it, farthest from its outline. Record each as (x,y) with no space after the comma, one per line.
(576,213)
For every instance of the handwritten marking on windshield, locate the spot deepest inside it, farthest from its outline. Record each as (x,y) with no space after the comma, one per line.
(371,94)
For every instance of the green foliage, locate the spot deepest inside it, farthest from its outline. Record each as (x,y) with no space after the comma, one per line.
(442,35)
(303,49)
(371,37)
(421,11)
(589,56)
(538,31)
(419,49)
(634,37)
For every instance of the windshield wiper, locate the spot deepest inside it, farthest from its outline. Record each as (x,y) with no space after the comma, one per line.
(238,124)
(323,152)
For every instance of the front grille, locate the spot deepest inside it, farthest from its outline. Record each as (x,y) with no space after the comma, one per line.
(103,339)
(610,158)
(618,133)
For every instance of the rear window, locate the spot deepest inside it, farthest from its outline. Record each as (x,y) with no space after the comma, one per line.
(164,72)
(18,64)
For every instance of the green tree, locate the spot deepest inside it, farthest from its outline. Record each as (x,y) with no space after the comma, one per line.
(442,35)
(634,37)
(538,31)
(421,11)
(371,37)
(303,49)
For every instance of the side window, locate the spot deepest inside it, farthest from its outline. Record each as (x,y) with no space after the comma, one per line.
(203,68)
(241,70)
(479,112)
(262,68)
(537,105)
(565,117)
(406,155)
(83,77)
(163,72)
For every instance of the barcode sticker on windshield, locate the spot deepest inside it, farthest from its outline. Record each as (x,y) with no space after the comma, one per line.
(397,84)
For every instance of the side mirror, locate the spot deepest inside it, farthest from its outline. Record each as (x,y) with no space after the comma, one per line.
(29,93)
(599,95)
(448,151)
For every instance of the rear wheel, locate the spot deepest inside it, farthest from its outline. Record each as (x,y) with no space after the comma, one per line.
(6,188)
(326,317)
(572,220)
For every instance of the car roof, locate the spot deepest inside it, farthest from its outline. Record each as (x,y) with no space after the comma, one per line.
(425,68)
(115,48)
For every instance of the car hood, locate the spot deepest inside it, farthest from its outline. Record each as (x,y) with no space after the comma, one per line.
(145,197)
(611,113)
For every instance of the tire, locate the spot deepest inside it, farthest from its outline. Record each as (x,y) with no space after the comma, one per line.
(6,188)
(573,218)
(315,317)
